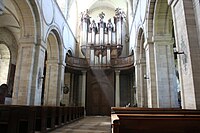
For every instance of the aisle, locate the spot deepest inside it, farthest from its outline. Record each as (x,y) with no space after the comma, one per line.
(90,124)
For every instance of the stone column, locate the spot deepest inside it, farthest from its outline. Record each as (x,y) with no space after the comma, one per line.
(51,82)
(71,92)
(150,75)
(165,72)
(143,84)
(38,77)
(67,83)
(61,68)
(137,83)
(187,40)
(83,89)
(23,74)
(141,87)
(117,89)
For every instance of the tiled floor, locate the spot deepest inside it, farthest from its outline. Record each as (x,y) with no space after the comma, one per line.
(90,124)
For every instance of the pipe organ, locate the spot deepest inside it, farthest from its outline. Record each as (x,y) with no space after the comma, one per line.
(100,41)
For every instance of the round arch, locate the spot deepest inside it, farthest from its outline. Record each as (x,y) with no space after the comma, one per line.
(5,58)
(162,18)
(150,18)
(53,69)
(8,51)
(140,70)
(26,19)
(162,33)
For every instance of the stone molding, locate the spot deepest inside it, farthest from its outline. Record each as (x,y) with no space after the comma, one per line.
(48,11)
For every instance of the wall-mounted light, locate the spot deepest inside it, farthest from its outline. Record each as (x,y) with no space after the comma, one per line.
(40,78)
(145,76)
(66,89)
(178,52)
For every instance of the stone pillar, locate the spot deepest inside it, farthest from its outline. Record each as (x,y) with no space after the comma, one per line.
(83,96)
(150,75)
(23,74)
(117,89)
(185,27)
(165,72)
(143,84)
(61,68)
(137,83)
(67,83)
(71,92)
(38,77)
(51,82)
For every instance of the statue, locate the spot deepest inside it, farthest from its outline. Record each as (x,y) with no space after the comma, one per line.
(85,15)
(101,15)
(119,13)
(109,24)
(93,26)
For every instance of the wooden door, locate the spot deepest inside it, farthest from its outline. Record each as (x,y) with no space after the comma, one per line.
(100,92)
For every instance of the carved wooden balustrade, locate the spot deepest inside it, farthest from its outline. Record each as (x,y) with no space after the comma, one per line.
(123,62)
(77,63)
(120,63)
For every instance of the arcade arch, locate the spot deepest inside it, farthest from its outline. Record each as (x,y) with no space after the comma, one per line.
(53,70)
(166,85)
(140,69)
(4,63)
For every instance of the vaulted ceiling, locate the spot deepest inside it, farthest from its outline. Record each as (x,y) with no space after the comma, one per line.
(97,6)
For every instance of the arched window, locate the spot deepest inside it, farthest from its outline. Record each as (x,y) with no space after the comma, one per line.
(4,63)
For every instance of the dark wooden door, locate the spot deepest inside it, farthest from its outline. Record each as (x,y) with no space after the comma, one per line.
(100,92)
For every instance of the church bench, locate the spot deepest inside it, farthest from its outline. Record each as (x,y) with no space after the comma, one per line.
(41,122)
(28,119)
(4,118)
(73,115)
(58,116)
(17,119)
(148,120)
(68,114)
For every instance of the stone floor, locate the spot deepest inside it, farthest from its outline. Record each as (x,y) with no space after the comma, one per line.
(89,124)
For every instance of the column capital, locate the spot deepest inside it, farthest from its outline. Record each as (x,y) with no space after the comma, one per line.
(147,43)
(117,71)
(62,64)
(163,40)
(52,61)
(84,72)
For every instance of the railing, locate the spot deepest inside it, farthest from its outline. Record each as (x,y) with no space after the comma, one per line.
(82,63)
(123,62)
(75,62)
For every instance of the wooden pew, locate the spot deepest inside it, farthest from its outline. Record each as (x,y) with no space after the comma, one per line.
(154,120)
(17,119)
(28,119)
(58,116)
(41,119)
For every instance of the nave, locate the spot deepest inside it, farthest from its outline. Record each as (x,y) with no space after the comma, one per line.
(89,124)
